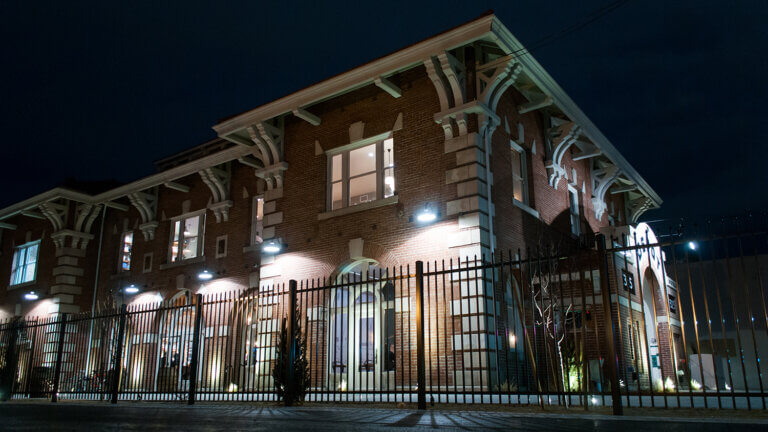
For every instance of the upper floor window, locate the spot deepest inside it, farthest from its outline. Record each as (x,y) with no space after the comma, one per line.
(573,200)
(125,251)
(519,173)
(362,174)
(187,237)
(24,267)
(257,220)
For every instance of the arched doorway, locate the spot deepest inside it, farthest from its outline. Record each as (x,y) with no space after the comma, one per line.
(175,353)
(651,311)
(361,326)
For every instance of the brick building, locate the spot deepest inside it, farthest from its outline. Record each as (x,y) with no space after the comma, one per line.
(451,148)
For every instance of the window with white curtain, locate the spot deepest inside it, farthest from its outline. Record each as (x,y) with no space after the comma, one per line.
(187,236)
(361,174)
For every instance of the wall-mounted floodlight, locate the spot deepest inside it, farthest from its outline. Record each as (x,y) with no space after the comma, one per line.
(31,296)
(205,275)
(272,247)
(692,245)
(131,289)
(427,214)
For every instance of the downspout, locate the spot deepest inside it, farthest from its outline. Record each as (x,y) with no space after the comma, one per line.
(95,290)
(487,134)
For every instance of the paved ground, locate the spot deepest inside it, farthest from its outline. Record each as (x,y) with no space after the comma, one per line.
(88,417)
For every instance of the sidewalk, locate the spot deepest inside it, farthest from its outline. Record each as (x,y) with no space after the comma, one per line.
(70,416)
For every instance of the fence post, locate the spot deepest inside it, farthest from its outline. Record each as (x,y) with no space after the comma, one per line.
(291,331)
(195,350)
(59,356)
(118,368)
(10,333)
(610,331)
(420,369)
(30,361)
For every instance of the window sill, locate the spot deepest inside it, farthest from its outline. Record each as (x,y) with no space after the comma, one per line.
(358,208)
(525,208)
(194,260)
(22,285)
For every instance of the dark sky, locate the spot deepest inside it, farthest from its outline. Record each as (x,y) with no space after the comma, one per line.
(100,90)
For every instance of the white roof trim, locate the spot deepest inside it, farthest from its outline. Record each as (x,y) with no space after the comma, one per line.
(362,75)
(544,81)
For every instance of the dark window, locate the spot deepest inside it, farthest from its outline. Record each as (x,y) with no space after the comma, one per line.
(672,303)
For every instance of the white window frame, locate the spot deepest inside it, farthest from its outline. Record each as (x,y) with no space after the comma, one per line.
(523,172)
(574,212)
(15,280)
(257,224)
(345,177)
(200,235)
(123,253)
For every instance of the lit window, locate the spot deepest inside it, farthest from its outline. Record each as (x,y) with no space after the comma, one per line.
(573,200)
(186,241)
(362,174)
(257,220)
(24,265)
(125,251)
(519,173)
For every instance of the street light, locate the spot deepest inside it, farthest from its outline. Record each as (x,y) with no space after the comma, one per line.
(692,245)
(31,296)
(131,289)
(205,275)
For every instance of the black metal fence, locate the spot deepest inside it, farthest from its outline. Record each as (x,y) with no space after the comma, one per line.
(634,322)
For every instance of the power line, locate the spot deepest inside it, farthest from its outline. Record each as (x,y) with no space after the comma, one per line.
(589,19)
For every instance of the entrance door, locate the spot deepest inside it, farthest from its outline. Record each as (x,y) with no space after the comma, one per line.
(366,334)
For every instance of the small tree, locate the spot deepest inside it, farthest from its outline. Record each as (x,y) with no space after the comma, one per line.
(291,394)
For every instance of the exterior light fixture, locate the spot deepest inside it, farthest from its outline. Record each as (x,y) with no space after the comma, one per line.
(205,275)
(692,245)
(131,289)
(272,247)
(31,296)
(427,214)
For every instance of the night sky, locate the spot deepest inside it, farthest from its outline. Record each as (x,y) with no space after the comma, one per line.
(98,91)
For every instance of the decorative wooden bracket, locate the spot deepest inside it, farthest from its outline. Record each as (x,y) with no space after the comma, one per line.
(448,76)
(602,179)
(56,213)
(565,135)
(218,180)
(639,206)
(146,204)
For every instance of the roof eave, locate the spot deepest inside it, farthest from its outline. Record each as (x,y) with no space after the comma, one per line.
(361,75)
(546,83)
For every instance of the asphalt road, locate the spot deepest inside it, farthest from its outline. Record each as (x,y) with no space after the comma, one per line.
(82,417)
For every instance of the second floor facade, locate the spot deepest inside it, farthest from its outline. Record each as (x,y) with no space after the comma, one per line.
(449,149)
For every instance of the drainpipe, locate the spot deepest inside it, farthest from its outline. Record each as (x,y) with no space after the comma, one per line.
(95,290)
(487,134)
